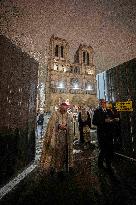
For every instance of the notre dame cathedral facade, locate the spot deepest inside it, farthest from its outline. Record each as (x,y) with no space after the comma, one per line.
(73,82)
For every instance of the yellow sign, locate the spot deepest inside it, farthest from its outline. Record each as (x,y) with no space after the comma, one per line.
(124,106)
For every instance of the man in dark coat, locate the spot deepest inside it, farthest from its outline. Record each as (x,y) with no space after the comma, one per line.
(103,118)
(40,121)
(83,120)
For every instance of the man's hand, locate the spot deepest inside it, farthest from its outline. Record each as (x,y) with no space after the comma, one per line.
(116,119)
(108,120)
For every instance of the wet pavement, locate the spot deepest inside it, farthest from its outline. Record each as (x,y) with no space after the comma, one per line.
(85,184)
(40,132)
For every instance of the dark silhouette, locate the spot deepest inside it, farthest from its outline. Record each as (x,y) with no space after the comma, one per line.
(83,120)
(104,119)
(40,119)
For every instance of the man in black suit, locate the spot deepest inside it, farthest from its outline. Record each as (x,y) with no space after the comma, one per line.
(103,118)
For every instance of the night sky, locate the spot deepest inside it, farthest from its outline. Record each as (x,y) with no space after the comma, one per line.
(109,26)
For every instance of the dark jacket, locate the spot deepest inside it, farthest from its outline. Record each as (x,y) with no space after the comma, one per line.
(84,123)
(40,119)
(104,129)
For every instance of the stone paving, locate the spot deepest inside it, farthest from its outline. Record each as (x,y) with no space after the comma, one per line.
(85,184)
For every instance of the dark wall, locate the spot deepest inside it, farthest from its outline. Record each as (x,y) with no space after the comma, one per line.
(19,78)
(121,86)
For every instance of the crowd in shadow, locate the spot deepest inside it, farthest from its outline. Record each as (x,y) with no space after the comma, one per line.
(57,153)
(88,176)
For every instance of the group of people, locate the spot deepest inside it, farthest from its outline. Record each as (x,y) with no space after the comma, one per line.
(107,121)
(58,141)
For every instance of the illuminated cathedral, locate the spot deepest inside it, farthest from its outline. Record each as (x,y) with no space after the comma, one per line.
(72,82)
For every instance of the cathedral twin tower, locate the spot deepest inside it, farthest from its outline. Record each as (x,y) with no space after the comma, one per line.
(75,82)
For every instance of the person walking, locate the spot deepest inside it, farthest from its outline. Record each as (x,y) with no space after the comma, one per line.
(40,120)
(103,118)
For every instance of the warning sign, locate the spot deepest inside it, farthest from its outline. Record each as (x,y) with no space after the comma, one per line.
(124,106)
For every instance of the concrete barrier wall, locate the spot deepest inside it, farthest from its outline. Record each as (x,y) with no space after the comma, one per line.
(19,77)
